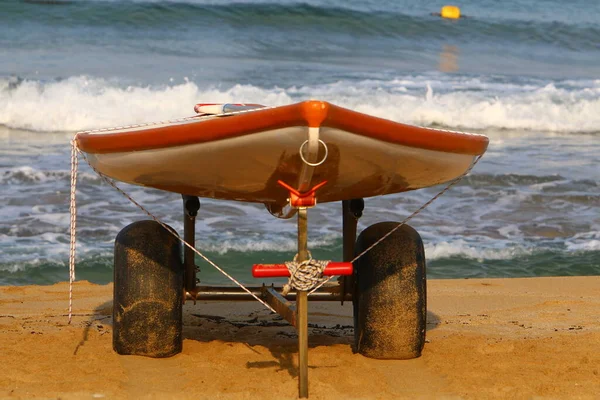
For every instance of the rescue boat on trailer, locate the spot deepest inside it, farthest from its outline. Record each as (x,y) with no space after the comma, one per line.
(287,158)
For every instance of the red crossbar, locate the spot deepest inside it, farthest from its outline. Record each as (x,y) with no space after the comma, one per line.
(281,271)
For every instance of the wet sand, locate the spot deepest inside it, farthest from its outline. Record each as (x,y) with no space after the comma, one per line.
(491,338)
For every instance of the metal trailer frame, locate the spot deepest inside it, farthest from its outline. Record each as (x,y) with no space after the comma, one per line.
(391,277)
(296,314)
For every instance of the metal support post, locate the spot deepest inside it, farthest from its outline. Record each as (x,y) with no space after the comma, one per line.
(234,293)
(351,212)
(191,205)
(302,308)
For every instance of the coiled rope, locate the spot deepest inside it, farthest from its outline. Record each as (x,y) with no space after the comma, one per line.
(304,275)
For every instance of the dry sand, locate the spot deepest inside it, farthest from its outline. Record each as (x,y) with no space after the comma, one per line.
(494,338)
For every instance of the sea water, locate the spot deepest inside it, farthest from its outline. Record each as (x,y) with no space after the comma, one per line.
(524,72)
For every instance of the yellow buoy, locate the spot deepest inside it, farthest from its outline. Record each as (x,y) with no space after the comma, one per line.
(451,12)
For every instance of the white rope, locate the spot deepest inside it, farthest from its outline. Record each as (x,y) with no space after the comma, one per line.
(113,184)
(73,223)
(304,275)
(411,216)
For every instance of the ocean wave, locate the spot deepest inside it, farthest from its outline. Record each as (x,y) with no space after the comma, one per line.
(57,252)
(30,175)
(280,244)
(511,180)
(546,108)
(82,103)
(585,241)
(461,248)
(336,17)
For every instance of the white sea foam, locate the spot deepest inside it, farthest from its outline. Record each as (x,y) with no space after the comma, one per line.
(280,244)
(585,241)
(81,103)
(510,231)
(13,267)
(461,248)
(31,175)
(590,245)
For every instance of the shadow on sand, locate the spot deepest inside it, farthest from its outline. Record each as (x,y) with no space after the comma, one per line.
(251,325)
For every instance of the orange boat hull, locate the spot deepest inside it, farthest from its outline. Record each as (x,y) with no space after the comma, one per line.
(241,156)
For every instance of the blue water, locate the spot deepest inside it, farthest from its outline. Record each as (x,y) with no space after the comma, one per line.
(524,72)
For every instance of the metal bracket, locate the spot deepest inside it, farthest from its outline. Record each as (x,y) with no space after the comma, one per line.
(304,200)
(284,307)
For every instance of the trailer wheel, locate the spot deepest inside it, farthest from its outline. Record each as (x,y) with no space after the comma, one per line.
(148,291)
(390,293)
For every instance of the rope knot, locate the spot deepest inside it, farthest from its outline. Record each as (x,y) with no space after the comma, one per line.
(304,275)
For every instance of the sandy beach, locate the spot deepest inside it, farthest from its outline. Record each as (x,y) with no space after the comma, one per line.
(524,73)
(492,338)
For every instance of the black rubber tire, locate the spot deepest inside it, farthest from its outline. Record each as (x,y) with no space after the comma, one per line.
(148,291)
(390,300)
